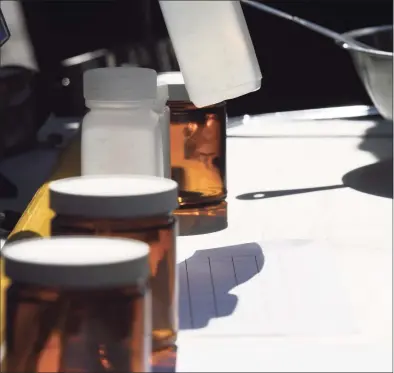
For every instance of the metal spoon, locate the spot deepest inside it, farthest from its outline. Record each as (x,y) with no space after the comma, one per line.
(355,45)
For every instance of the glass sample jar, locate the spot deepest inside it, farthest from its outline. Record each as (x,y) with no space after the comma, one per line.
(137,207)
(77,305)
(198,145)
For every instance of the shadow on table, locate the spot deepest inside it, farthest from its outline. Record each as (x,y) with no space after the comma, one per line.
(282,193)
(371,142)
(205,282)
(202,220)
(207,278)
(375,179)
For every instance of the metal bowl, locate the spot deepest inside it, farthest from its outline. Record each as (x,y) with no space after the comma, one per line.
(375,65)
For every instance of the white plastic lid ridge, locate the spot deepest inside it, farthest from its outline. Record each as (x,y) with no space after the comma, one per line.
(113,196)
(77,262)
(120,84)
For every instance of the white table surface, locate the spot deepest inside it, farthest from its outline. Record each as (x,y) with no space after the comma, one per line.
(314,269)
(323,300)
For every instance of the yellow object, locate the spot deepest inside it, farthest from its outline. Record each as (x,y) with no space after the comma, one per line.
(35,220)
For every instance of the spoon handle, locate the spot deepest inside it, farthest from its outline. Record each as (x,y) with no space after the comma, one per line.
(310,25)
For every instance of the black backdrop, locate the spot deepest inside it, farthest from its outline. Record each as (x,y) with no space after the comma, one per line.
(300,69)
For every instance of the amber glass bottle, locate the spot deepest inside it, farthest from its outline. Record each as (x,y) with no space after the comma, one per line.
(137,207)
(198,145)
(77,305)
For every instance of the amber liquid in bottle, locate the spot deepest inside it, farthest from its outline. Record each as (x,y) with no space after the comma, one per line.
(159,234)
(52,330)
(198,152)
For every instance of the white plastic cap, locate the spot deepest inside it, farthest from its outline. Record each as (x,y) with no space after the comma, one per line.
(113,196)
(122,84)
(77,262)
(176,85)
(162,96)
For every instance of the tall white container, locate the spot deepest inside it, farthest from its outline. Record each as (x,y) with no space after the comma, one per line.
(214,50)
(121,133)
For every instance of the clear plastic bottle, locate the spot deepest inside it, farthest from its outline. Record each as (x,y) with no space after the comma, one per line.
(136,207)
(213,47)
(121,133)
(77,305)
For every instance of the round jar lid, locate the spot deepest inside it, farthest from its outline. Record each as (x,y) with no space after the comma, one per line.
(113,196)
(77,262)
(176,85)
(121,84)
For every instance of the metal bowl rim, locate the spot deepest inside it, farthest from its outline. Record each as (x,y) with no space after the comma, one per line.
(367,31)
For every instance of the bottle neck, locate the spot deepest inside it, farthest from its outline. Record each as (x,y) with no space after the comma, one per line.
(133,105)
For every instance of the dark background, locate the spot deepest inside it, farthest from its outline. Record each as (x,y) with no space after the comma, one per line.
(300,68)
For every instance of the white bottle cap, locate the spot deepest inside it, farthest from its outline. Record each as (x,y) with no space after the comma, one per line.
(176,85)
(113,196)
(77,262)
(122,84)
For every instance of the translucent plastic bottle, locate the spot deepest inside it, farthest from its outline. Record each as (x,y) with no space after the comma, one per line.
(213,47)
(136,207)
(198,145)
(77,305)
(121,133)
(163,110)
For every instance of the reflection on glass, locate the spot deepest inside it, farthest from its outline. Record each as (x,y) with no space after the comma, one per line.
(49,330)
(198,152)
(165,361)
(203,220)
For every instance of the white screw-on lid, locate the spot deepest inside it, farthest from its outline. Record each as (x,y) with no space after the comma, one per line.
(77,262)
(113,196)
(176,85)
(124,84)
